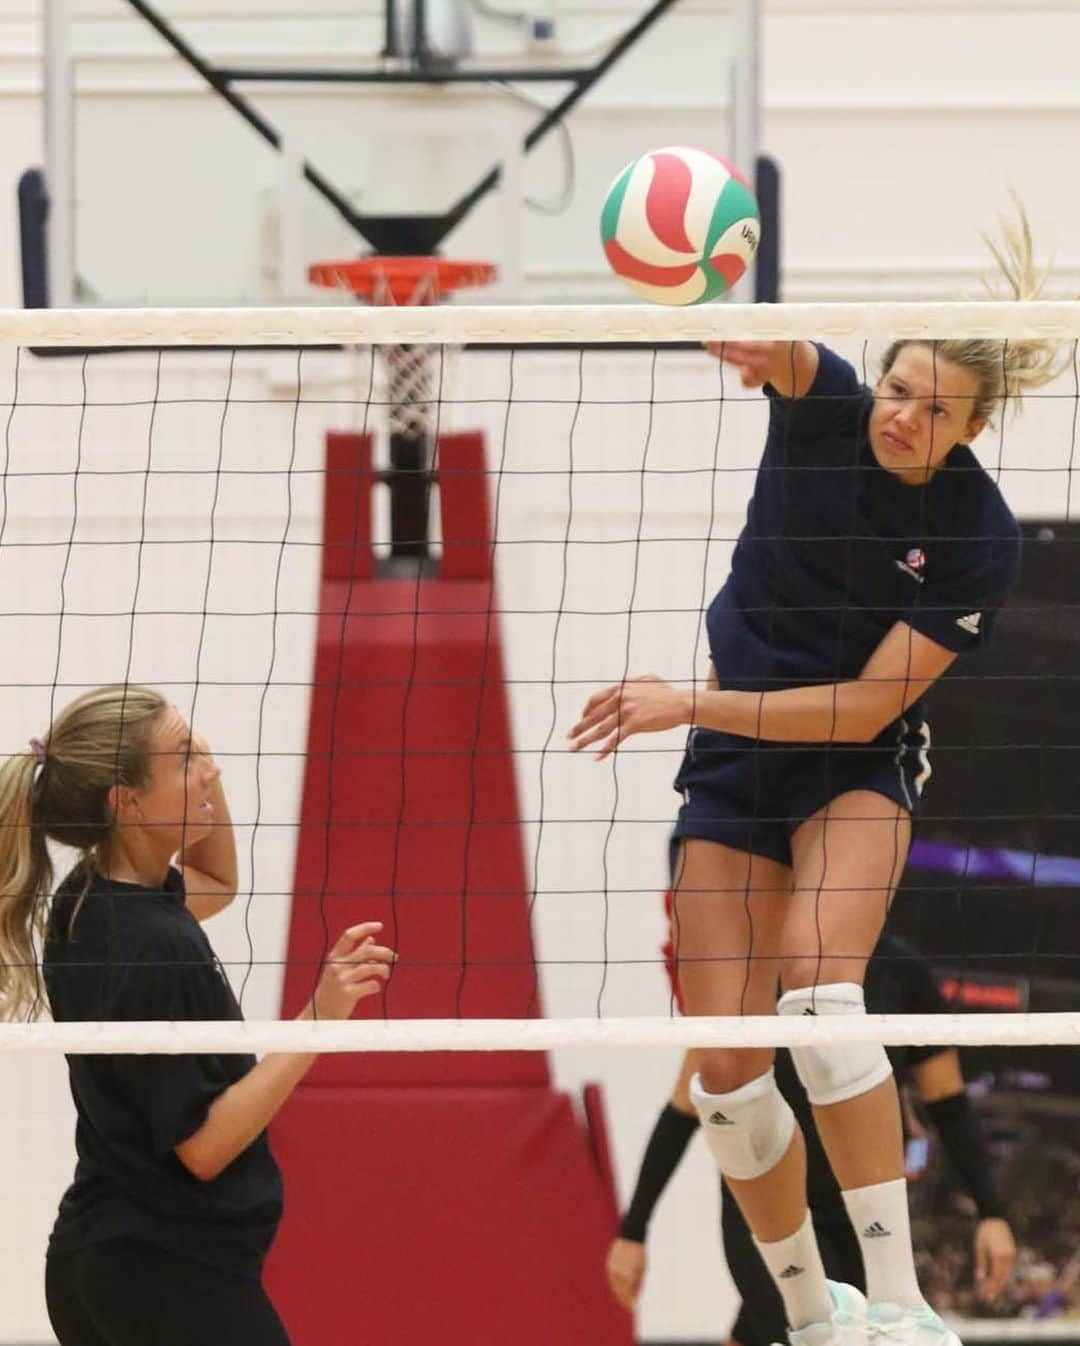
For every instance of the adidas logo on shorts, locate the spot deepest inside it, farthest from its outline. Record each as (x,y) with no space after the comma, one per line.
(718,1119)
(970,623)
(876,1231)
(790,1271)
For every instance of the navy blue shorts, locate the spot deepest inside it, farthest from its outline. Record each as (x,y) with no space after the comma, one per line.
(751,795)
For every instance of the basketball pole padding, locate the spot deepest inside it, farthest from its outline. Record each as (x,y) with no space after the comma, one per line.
(450,1198)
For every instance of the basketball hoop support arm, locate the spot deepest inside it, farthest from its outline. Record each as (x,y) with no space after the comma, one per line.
(374,230)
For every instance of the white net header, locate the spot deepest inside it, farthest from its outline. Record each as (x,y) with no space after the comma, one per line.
(471,1035)
(551,324)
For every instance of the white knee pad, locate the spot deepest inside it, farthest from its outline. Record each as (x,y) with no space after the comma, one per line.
(834,1074)
(748,1130)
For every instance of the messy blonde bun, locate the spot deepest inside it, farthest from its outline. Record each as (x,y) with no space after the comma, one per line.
(1006,370)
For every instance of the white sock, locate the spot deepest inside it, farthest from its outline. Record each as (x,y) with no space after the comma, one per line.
(879,1214)
(795,1265)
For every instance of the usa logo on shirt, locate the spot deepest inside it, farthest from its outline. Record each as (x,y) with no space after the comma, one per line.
(913,564)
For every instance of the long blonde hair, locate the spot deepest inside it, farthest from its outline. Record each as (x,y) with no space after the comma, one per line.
(59,790)
(1005,369)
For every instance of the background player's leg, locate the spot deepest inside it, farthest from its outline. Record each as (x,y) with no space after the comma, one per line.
(761,1320)
(839,1248)
(848,859)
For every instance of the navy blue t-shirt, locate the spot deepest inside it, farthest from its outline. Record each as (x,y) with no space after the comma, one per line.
(135,953)
(836,550)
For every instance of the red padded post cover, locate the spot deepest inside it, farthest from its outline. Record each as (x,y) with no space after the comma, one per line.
(347,489)
(432,1199)
(462,1217)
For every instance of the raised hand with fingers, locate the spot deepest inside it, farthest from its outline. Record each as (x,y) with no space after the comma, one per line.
(356,967)
(755,360)
(789,367)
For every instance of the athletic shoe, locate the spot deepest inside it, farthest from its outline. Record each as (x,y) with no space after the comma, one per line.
(909,1327)
(846,1327)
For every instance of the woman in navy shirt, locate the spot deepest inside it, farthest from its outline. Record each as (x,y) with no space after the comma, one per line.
(176,1197)
(876,550)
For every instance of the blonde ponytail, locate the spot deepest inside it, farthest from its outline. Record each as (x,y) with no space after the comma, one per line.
(60,792)
(25,880)
(1006,370)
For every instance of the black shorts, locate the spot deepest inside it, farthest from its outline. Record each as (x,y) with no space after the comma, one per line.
(128,1293)
(752,795)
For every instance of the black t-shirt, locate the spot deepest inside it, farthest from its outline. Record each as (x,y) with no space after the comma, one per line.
(899,980)
(137,953)
(836,550)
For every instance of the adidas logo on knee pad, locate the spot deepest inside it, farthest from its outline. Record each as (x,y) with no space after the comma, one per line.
(876,1231)
(748,1130)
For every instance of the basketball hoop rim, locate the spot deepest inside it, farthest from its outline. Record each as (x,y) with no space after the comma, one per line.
(401,281)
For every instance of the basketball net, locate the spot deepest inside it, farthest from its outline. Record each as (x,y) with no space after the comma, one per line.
(410,373)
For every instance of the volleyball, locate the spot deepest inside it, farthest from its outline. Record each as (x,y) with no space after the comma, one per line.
(680,225)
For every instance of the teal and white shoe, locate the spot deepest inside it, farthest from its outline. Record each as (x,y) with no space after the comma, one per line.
(898,1326)
(846,1327)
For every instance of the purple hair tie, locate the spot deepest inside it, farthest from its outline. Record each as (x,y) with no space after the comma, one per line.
(37,747)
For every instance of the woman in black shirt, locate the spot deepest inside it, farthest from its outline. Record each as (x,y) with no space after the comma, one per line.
(176,1197)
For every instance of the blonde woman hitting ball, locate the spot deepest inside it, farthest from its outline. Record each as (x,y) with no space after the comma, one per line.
(876,551)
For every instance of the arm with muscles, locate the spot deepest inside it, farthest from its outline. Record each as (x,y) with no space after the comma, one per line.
(356,967)
(672,1133)
(209,865)
(940,1085)
(897,674)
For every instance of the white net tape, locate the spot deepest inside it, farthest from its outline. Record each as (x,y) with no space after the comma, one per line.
(469,1035)
(460,325)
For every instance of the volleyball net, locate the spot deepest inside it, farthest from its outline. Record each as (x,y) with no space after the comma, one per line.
(386,654)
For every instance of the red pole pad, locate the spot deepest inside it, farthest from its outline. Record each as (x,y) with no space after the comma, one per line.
(466,515)
(348,481)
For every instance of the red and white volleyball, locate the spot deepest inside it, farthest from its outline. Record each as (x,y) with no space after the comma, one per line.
(680,225)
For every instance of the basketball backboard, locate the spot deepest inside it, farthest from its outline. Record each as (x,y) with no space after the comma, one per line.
(162,193)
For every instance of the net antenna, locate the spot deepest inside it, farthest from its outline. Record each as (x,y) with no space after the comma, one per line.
(410,375)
